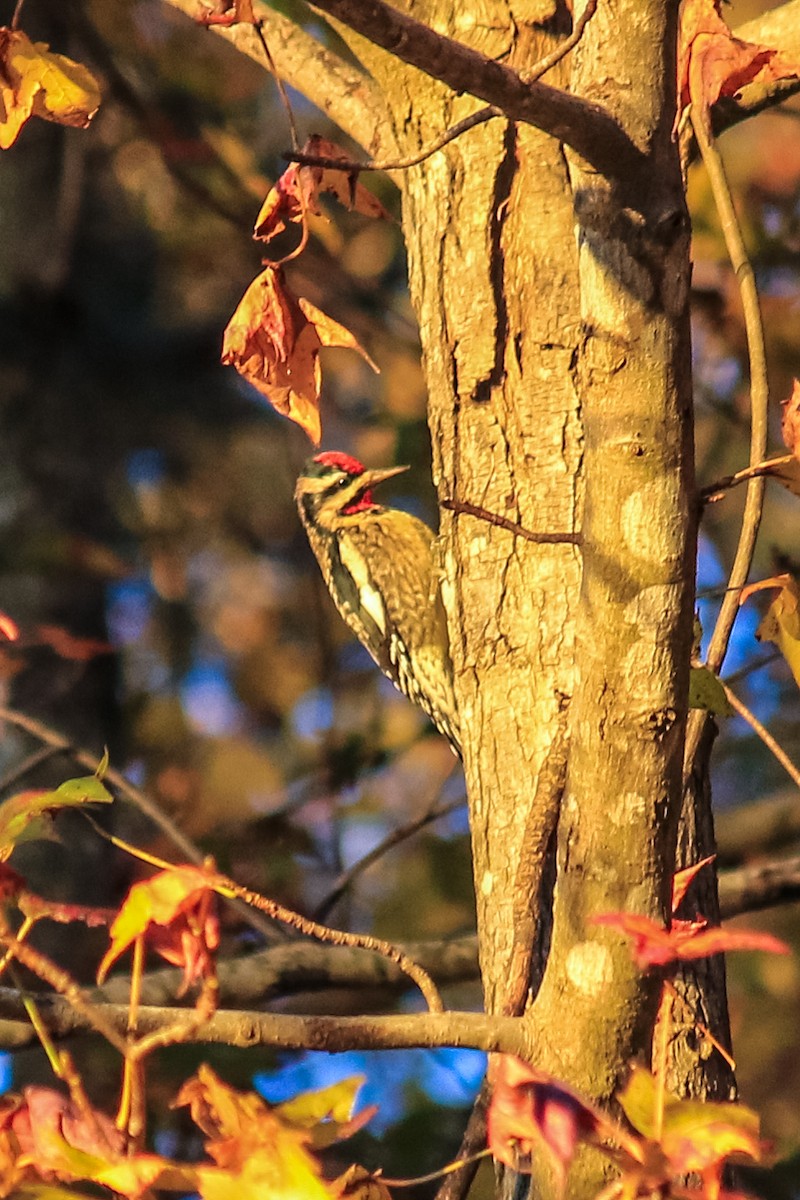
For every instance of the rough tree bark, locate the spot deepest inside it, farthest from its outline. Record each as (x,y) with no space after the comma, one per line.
(553,309)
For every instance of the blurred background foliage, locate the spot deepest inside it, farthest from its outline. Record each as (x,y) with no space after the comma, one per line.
(146,506)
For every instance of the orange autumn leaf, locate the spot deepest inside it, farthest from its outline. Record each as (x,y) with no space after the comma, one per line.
(653,945)
(274,339)
(34,82)
(9,629)
(681,880)
(530,1112)
(67,645)
(713,63)
(175,911)
(296,191)
(790,420)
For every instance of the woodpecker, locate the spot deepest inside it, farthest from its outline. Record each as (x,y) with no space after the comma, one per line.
(380,569)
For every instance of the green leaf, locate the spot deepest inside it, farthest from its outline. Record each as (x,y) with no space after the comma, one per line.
(706,691)
(26,816)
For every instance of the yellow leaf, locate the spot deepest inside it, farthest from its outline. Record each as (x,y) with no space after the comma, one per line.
(36,82)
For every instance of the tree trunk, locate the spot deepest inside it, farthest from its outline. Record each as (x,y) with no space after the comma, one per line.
(553,312)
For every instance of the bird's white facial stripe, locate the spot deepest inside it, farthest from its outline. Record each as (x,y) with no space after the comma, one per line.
(370,599)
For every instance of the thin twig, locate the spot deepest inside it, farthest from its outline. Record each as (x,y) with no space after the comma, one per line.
(743,672)
(62,983)
(759,390)
(456,1186)
(139,799)
(759,405)
(130,792)
(483,514)
(338,937)
(27,765)
(17,14)
(257,26)
(764,734)
(401,834)
(477,118)
(715,491)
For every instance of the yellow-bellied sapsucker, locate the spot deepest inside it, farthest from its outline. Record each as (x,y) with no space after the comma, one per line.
(380,570)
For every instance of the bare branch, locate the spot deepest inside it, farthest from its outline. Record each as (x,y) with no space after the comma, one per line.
(281,971)
(759,409)
(587,127)
(764,734)
(474,119)
(759,885)
(245,1029)
(341,90)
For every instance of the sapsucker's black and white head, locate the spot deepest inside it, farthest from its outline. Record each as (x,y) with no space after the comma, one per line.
(378,563)
(334,486)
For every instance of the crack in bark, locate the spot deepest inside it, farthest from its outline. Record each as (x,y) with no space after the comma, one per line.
(504,180)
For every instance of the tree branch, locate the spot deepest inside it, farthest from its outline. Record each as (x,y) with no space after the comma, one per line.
(471,1030)
(759,885)
(587,127)
(339,89)
(282,971)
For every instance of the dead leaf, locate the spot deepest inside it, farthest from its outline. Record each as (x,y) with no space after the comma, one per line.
(36,82)
(713,63)
(274,339)
(781,623)
(357,1183)
(296,191)
(790,420)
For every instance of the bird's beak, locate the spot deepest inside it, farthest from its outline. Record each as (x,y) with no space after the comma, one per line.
(371,479)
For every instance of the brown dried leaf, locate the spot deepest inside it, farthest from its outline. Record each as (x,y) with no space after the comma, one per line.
(296,192)
(790,420)
(274,339)
(713,63)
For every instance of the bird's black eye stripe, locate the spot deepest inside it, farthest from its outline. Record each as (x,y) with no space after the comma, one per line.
(343,481)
